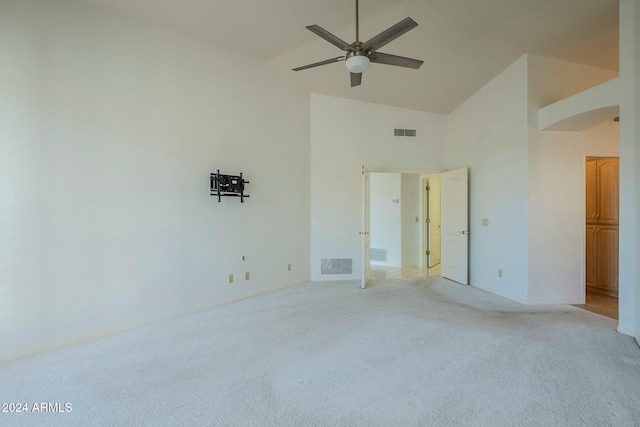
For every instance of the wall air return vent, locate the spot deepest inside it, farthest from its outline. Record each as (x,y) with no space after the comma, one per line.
(379,255)
(404,132)
(336,266)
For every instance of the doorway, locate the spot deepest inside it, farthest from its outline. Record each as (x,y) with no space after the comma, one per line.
(397,225)
(602,195)
(454,225)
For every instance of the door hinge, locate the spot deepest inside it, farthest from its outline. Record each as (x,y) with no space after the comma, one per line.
(428,188)
(428,220)
(428,252)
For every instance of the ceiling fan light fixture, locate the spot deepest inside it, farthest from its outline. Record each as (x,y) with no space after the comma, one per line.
(357,63)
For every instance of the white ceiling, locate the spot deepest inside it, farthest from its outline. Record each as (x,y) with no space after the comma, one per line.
(464,43)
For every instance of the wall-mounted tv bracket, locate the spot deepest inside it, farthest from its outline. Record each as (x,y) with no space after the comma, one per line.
(228,186)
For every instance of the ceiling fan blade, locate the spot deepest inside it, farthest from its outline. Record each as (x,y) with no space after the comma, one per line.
(356,79)
(400,61)
(317,64)
(338,42)
(389,34)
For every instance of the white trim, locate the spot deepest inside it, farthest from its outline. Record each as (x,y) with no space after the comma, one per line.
(494,292)
(629,332)
(564,301)
(395,170)
(119,329)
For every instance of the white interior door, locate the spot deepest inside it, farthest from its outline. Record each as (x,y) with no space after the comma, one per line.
(455,223)
(365,231)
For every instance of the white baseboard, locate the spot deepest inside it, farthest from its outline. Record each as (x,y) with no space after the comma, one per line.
(565,301)
(496,292)
(629,332)
(136,325)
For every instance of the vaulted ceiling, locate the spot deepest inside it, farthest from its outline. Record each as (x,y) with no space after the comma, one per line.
(464,43)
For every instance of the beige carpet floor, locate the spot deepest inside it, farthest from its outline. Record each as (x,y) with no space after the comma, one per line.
(412,352)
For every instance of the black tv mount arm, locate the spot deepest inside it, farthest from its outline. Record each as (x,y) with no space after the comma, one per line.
(228,186)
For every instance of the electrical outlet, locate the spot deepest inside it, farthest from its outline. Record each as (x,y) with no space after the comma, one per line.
(246,276)
(231,278)
(499,272)
(289,267)
(485,221)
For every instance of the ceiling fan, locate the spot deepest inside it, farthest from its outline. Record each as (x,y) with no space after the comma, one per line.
(359,54)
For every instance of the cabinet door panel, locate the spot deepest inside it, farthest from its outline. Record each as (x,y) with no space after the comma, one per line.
(607,258)
(591,279)
(608,191)
(591,188)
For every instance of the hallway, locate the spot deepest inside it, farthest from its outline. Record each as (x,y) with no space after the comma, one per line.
(601,304)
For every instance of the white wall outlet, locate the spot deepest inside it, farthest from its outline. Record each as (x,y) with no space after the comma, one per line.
(289,267)
(246,276)
(499,272)
(485,221)
(231,278)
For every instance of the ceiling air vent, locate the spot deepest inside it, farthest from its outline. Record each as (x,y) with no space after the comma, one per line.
(404,132)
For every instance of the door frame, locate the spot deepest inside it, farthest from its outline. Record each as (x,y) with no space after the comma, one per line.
(583,210)
(426,230)
(366,207)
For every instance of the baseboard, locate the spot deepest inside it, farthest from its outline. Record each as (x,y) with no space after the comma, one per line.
(136,325)
(335,278)
(562,301)
(495,292)
(629,332)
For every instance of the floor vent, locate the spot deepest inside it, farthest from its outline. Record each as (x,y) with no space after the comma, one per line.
(404,132)
(336,266)
(378,255)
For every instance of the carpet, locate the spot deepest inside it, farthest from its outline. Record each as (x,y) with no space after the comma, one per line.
(412,352)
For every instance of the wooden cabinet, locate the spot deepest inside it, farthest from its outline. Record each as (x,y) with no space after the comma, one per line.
(602,259)
(602,206)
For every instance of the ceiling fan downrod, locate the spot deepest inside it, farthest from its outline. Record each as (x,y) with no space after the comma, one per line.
(357,23)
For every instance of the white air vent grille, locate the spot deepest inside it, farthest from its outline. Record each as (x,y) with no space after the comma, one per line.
(404,132)
(378,254)
(336,266)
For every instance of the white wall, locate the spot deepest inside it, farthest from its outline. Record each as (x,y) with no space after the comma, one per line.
(344,136)
(108,133)
(555,174)
(488,134)
(411,202)
(385,217)
(629,295)
(556,209)
(527,183)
